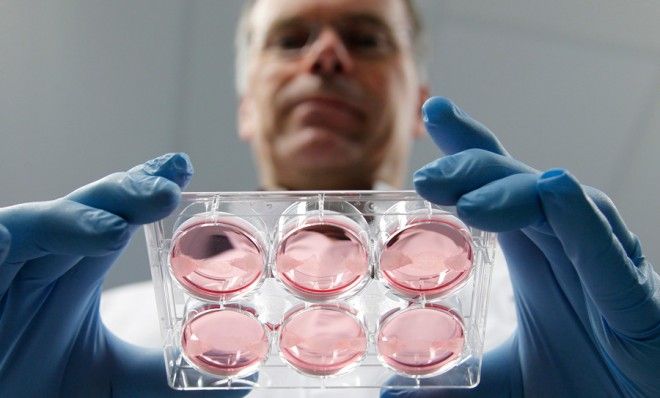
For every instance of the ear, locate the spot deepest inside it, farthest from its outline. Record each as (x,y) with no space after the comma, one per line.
(423,94)
(246,123)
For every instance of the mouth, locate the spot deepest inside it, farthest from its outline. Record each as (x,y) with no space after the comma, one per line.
(327,113)
(331,103)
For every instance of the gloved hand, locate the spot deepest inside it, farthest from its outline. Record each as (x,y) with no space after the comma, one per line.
(587,301)
(56,254)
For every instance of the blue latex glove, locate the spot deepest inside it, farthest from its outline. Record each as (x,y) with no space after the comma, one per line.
(587,301)
(53,258)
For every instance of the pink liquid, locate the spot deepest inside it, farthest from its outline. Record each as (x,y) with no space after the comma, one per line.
(225,342)
(426,258)
(420,341)
(322,260)
(322,340)
(216,260)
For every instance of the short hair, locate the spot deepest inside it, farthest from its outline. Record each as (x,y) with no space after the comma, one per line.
(243,40)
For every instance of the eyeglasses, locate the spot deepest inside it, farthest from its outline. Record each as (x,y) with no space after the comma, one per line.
(362,38)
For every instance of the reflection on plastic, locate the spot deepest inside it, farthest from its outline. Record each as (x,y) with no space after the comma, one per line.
(427,258)
(420,340)
(322,340)
(216,260)
(322,260)
(225,342)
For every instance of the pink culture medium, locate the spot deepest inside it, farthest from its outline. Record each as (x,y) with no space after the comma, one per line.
(420,341)
(322,260)
(322,340)
(216,260)
(225,342)
(427,258)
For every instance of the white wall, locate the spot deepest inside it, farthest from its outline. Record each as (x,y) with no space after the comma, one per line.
(92,87)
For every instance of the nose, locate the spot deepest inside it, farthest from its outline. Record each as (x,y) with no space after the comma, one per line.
(328,55)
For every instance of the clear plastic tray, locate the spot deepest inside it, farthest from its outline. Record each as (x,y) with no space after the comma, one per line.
(284,290)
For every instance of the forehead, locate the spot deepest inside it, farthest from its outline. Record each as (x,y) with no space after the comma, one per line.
(266,13)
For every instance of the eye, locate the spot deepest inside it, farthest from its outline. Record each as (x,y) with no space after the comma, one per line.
(289,39)
(364,40)
(367,40)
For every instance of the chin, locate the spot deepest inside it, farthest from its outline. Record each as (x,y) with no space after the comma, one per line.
(321,159)
(321,168)
(328,178)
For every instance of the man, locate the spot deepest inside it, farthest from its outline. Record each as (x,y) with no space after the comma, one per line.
(326,94)
(330,97)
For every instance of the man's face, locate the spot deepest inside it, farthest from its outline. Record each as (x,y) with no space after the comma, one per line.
(332,96)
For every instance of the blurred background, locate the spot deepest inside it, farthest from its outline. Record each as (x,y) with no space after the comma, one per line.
(90,87)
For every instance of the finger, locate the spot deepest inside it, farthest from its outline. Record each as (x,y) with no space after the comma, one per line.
(453,130)
(61,227)
(626,294)
(137,198)
(176,167)
(5,242)
(628,240)
(506,204)
(446,179)
(144,194)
